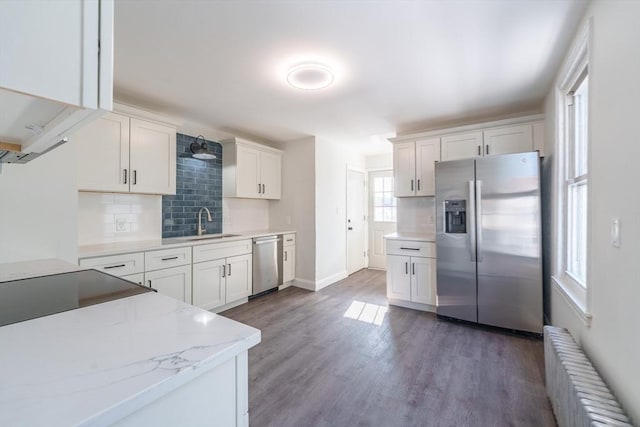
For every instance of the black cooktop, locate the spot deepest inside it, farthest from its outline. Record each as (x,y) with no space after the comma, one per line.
(35,297)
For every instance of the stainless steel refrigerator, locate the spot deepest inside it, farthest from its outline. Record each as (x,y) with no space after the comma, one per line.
(488,237)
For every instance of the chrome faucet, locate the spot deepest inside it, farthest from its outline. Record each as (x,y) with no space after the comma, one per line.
(202,230)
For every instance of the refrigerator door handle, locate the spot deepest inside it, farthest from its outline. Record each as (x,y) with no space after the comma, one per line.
(479,220)
(472,220)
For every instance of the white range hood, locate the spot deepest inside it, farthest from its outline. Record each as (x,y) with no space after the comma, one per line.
(56,59)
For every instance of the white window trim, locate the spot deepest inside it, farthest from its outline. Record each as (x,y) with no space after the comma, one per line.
(573,292)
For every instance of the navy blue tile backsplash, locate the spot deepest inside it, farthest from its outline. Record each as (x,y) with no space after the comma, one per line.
(198,184)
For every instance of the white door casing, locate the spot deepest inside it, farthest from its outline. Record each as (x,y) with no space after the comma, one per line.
(356,258)
(378,229)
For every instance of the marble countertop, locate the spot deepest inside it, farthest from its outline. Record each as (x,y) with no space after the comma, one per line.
(94,365)
(419,237)
(106,249)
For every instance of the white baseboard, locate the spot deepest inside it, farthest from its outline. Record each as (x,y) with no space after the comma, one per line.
(319,284)
(304,284)
(413,305)
(331,280)
(230,305)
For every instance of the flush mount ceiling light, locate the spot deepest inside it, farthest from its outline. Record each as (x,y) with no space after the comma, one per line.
(201,150)
(310,76)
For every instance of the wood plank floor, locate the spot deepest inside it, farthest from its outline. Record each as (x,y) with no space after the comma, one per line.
(316,367)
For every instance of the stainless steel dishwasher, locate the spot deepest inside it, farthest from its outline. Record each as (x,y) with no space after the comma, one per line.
(267,270)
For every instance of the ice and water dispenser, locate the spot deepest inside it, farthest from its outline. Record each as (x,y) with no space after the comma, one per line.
(455,214)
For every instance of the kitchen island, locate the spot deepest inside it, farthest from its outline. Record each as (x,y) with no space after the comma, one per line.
(142,360)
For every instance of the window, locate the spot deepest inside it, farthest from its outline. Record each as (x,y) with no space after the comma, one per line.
(570,274)
(576,179)
(384,204)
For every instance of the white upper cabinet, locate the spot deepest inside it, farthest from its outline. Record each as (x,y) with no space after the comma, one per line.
(103,154)
(271,174)
(512,139)
(414,167)
(489,142)
(404,169)
(56,68)
(427,154)
(251,170)
(152,158)
(118,153)
(462,146)
(247,172)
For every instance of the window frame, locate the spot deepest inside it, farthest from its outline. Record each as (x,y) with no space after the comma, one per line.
(574,71)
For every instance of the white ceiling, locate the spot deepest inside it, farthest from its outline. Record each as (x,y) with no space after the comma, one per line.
(400,66)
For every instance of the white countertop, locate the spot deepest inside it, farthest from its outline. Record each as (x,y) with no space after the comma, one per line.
(419,237)
(97,364)
(106,249)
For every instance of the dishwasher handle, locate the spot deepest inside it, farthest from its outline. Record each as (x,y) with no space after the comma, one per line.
(268,239)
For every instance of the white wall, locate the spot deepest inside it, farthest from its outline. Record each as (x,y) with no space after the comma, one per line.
(613,274)
(379,162)
(99,214)
(331,203)
(296,210)
(38,213)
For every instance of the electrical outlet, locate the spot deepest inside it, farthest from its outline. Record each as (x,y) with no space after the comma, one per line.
(122,225)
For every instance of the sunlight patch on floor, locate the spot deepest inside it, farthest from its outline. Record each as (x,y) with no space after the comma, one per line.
(365,312)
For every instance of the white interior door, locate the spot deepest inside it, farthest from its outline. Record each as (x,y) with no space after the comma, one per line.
(382,215)
(355,221)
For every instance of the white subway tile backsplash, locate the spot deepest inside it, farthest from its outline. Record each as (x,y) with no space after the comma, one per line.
(107,217)
(240,215)
(416,215)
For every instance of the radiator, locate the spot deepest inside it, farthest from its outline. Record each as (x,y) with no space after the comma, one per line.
(578,394)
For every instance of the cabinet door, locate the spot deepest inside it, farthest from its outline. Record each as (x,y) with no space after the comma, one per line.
(404,169)
(208,284)
(247,172)
(153,158)
(423,280)
(398,277)
(239,277)
(270,175)
(135,278)
(427,154)
(61,37)
(173,282)
(461,146)
(289,264)
(103,154)
(512,139)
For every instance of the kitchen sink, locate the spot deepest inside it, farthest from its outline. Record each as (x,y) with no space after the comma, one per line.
(208,237)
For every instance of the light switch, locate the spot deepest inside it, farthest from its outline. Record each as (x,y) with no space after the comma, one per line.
(615,233)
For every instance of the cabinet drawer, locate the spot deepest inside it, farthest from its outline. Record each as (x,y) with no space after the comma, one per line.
(411,248)
(289,239)
(117,265)
(165,258)
(214,251)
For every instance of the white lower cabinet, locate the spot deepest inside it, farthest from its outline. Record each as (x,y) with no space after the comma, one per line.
(135,278)
(174,282)
(223,281)
(209,290)
(289,258)
(238,278)
(411,279)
